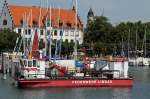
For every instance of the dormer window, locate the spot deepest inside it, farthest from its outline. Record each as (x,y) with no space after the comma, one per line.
(78,25)
(60,24)
(68,25)
(34,23)
(4,22)
(21,22)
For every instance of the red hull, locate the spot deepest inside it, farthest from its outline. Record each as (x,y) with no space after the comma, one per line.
(76,83)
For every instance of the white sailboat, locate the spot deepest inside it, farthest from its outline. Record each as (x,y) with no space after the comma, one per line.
(140,61)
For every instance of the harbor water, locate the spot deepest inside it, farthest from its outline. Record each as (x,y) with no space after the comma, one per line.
(140,90)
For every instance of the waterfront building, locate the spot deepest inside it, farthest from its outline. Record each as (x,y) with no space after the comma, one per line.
(26,19)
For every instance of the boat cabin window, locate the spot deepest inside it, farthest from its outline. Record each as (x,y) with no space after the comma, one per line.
(34,63)
(21,63)
(29,63)
(25,63)
(38,66)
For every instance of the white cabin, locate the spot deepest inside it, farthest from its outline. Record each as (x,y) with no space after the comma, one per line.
(120,67)
(32,68)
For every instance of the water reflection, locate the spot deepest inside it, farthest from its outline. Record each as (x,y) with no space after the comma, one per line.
(121,93)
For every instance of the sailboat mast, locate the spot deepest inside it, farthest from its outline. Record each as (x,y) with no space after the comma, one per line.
(122,49)
(46,23)
(145,41)
(50,41)
(128,44)
(136,42)
(76,19)
(56,44)
(27,47)
(61,34)
(24,27)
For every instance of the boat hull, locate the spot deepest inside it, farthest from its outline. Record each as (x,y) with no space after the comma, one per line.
(75,83)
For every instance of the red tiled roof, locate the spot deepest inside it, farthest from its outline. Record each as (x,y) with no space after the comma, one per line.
(66,15)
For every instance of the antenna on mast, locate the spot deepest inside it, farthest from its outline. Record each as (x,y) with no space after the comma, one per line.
(103,12)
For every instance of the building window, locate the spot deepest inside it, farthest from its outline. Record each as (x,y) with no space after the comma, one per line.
(48,32)
(4,22)
(68,25)
(41,32)
(55,33)
(72,41)
(77,33)
(66,33)
(29,31)
(61,33)
(72,33)
(51,32)
(66,40)
(19,30)
(41,40)
(26,32)
(54,40)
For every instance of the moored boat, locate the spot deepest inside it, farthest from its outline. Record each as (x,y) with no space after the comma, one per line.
(58,76)
(67,82)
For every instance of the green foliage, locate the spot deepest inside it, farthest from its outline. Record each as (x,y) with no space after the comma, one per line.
(67,48)
(97,34)
(7,40)
(41,44)
(106,38)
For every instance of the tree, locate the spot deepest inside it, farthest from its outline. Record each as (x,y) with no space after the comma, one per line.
(98,34)
(7,40)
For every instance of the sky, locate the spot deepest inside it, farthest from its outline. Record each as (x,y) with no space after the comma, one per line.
(115,10)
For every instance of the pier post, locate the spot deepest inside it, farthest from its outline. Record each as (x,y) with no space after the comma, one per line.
(4,65)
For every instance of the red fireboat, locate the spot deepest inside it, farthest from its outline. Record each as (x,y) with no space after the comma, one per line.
(115,76)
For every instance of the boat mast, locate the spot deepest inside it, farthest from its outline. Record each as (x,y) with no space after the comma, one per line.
(76,19)
(122,48)
(136,47)
(46,23)
(128,44)
(50,41)
(27,29)
(61,34)
(30,45)
(145,40)
(24,30)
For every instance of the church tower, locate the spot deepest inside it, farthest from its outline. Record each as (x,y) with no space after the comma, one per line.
(90,16)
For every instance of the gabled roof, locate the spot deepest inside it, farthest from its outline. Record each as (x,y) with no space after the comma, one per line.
(66,16)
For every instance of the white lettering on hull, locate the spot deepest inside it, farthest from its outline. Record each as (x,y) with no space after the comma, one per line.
(92,82)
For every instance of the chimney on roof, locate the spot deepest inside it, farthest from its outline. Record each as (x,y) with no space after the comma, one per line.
(35,6)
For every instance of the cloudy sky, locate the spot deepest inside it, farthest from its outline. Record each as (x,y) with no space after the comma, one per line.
(116,10)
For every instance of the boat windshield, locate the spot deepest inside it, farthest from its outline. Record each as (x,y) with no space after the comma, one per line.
(29,63)
(34,63)
(25,63)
